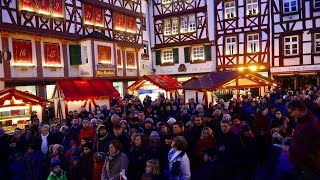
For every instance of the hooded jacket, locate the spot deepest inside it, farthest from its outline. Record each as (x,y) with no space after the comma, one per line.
(101,143)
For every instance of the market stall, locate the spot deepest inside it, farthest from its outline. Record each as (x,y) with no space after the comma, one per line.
(16,108)
(153,85)
(204,89)
(70,95)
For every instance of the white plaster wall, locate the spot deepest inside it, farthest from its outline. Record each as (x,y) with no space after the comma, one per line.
(211,19)
(102,102)
(200,97)
(189,94)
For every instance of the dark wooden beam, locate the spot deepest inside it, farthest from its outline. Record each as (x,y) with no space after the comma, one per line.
(179,13)
(183,43)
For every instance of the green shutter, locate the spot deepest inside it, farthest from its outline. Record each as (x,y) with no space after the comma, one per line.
(75,54)
(207,51)
(175,55)
(187,54)
(158,57)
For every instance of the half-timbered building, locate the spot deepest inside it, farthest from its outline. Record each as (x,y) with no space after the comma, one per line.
(296,42)
(182,40)
(242,35)
(70,39)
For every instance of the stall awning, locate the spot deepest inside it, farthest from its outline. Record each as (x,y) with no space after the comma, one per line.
(75,90)
(228,80)
(25,97)
(164,82)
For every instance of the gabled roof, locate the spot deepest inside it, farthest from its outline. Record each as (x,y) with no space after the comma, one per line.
(75,90)
(97,36)
(8,93)
(162,81)
(227,80)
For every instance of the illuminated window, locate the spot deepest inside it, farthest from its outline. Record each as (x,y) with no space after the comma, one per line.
(290,6)
(175,29)
(252,7)
(230,10)
(167,56)
(167,27)
(183,24)
(198,53)
(316,3)
(317,42)
(253,43)
(291,45)
(231,45)
(192,23)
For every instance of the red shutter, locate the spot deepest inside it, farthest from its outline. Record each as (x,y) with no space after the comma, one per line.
(130,59)
(27,5)
(52,53)
(57,8)
(119,23)
(22,51)
(131,24)
(88,16)
(44,7)
(104,54)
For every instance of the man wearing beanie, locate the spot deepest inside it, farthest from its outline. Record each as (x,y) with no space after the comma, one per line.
(102,139)
(57,173)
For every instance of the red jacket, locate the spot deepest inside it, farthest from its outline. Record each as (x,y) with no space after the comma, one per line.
(305,148)
(88,133)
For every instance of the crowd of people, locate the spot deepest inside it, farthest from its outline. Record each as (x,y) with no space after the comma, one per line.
(275,136)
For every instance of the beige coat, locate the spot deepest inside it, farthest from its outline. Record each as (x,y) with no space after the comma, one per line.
(120,163)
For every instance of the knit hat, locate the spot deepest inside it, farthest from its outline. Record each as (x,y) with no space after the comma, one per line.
(123,121)
(154,133)
(64,128)
(88,145)
(149,120)
(85,120)
(99,127)
(171,121)
(55,163)
(73,143)
(75,157)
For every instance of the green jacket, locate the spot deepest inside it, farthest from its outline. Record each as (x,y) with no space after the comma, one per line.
(53,176)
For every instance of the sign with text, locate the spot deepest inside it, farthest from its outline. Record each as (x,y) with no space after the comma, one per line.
(22,51)
(105,72)
(295,68)
(52,53)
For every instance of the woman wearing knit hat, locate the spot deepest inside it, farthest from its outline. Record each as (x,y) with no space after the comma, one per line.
(102,139)
(57,173)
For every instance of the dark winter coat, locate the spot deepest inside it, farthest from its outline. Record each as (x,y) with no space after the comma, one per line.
(138,156)
(38,141)
(33,166)
(102,145)
(86,166)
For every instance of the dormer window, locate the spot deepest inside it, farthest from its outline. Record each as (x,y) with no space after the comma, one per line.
(252,7)
(230,10)
(290,6)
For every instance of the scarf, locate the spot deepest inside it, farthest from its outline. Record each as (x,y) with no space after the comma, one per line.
(44,145)
(101,137)
(111,159)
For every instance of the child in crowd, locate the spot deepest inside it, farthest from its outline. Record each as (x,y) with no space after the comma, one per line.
(75,171)
(98,158)
(86,162)
(73,149)
(152,170)
(57,173)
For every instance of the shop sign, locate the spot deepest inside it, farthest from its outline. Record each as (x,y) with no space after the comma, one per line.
(105,73)
(295,68)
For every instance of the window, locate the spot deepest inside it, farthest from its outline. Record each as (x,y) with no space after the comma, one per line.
(253,43)
(167,27)
(230,10)
(317,42)
(175,26)
(192,23)
(167,56)
(231,45)
(183,24)
(252,7)
(291,45)
(198,53)
(290,6)
(316,3)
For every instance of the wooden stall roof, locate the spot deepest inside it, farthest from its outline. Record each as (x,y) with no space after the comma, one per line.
(164,82)
(228,80)
(75,90)
(8,93)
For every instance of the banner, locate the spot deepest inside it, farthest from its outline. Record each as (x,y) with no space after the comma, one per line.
(52,53)
(93,16)
(131,24)
(22,51)
(130,59)
(119,57)
(98,17)
(57,8)
(104,54)
(44,7)
(119,23)
(27,5)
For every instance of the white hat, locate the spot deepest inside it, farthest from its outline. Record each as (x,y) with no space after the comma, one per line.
(171,121)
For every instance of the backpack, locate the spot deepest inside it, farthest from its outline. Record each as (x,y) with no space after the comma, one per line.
(175,170)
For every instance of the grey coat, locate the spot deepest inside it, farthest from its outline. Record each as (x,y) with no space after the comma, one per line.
(113,173)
